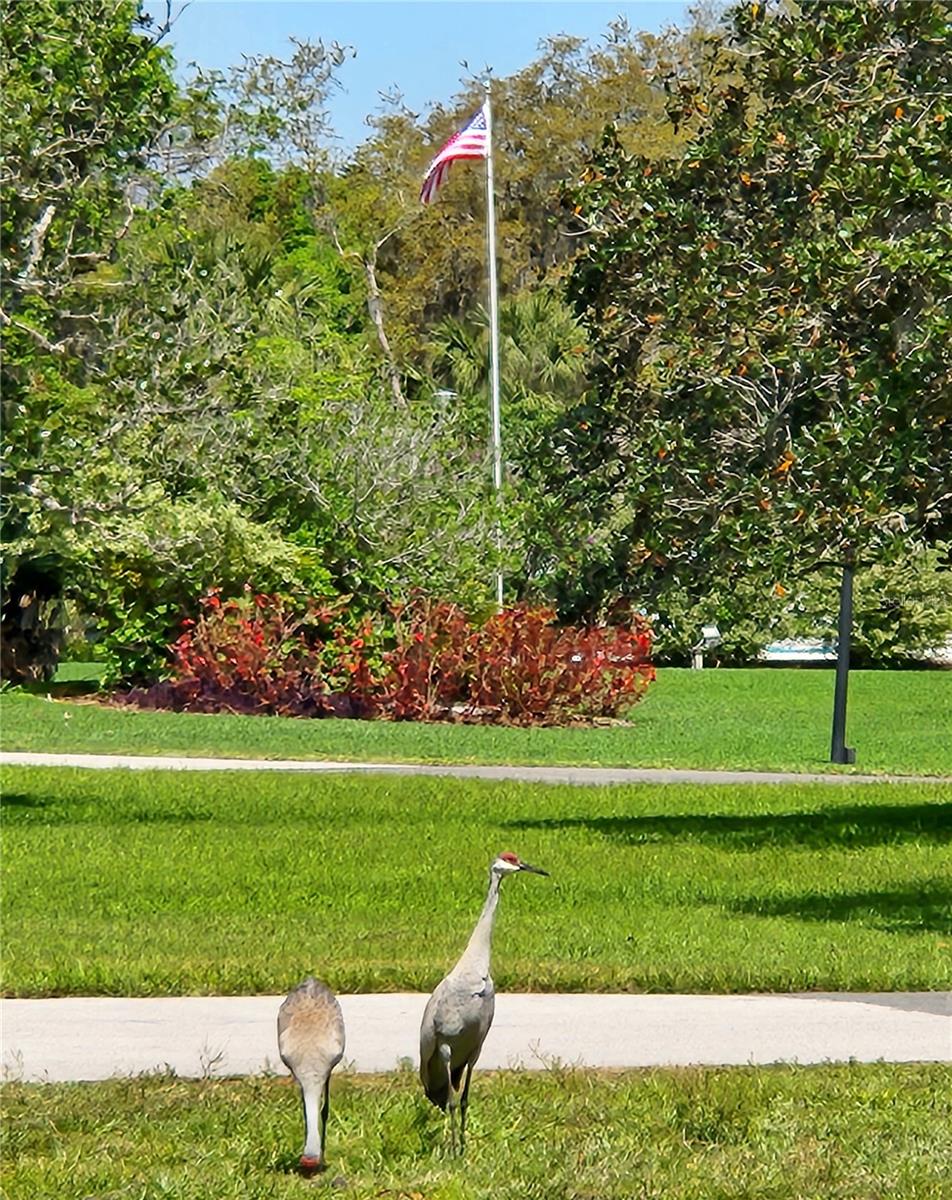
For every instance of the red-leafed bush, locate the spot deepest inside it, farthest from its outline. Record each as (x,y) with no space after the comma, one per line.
(426,661)
(531,670)
(518,666)
(246,655)
(428,667)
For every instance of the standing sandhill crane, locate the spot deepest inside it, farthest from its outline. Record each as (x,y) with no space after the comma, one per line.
(311,1043)
(459,1013)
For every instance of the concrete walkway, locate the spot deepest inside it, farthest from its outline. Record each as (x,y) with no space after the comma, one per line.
(528,774)
(86,1038)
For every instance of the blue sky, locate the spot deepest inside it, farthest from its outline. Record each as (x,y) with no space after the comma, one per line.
(415,46)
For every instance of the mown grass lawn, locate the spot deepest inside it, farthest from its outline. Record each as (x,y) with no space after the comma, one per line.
(823,1133)
(170,883)
(776,719)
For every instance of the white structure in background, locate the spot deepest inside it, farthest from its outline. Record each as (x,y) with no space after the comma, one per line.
(799,650)
(808,650)
(940,655)
(710,637)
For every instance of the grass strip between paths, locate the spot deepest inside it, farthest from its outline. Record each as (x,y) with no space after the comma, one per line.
(167,883)
(745,719)
(788,1133)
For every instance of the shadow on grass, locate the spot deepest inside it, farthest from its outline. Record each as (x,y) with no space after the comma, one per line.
(23,800)
(903,910)
(61,689)
(185,817)
(26,808)
(854,826)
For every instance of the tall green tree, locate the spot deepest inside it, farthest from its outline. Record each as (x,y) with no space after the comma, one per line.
(86,91)
(770,312)
(131,364)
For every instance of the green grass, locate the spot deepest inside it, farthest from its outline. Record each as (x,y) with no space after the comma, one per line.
(739,719)
(79,672)
(165,883)
(776,1133)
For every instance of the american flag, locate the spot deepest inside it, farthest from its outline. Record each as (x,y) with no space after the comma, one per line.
(472,141)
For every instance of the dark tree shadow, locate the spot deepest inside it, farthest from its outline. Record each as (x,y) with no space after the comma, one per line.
(144,817)
(23,800)
(901,910)
(937,1003)
(28,808)
(853,826)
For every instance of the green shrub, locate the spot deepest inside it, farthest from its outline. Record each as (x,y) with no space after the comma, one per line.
(901,609)
(154,566)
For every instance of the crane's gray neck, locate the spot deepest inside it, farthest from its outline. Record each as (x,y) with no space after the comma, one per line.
(478,950)
(312,1094)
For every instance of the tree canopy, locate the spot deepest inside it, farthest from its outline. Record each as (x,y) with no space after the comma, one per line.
(233,355)
(770,311)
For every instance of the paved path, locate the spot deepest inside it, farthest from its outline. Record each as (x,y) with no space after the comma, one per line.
(83,1038)
(576,775)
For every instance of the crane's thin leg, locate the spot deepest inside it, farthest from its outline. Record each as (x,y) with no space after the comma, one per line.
(464,1105)
(452,1096)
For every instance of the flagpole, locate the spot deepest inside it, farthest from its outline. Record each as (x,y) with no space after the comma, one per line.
(494,340)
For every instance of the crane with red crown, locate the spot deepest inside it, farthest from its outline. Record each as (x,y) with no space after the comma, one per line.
(460,1011)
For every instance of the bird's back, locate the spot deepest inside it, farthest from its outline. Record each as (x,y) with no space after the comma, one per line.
(310,1028)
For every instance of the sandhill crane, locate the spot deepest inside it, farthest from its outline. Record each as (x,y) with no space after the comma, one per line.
(311,1043)
(459,1013)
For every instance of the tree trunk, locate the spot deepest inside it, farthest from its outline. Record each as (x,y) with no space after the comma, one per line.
(375,308)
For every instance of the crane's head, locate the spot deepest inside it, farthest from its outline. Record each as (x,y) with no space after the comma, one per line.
(508,864)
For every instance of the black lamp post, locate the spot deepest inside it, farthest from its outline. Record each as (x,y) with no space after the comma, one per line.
(839,751)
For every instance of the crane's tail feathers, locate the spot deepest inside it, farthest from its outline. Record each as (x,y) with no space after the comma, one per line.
(437,1090)
(437,1094)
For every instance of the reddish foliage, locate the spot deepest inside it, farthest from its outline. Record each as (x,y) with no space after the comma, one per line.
(533,671)
(427,667)
(247,655)
(428,662)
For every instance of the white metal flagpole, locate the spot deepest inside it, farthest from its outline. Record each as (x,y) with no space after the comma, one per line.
(494,335)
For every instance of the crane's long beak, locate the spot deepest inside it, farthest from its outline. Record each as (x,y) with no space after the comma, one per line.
(524,866)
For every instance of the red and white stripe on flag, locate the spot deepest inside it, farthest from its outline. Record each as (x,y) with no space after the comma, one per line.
(472,141)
